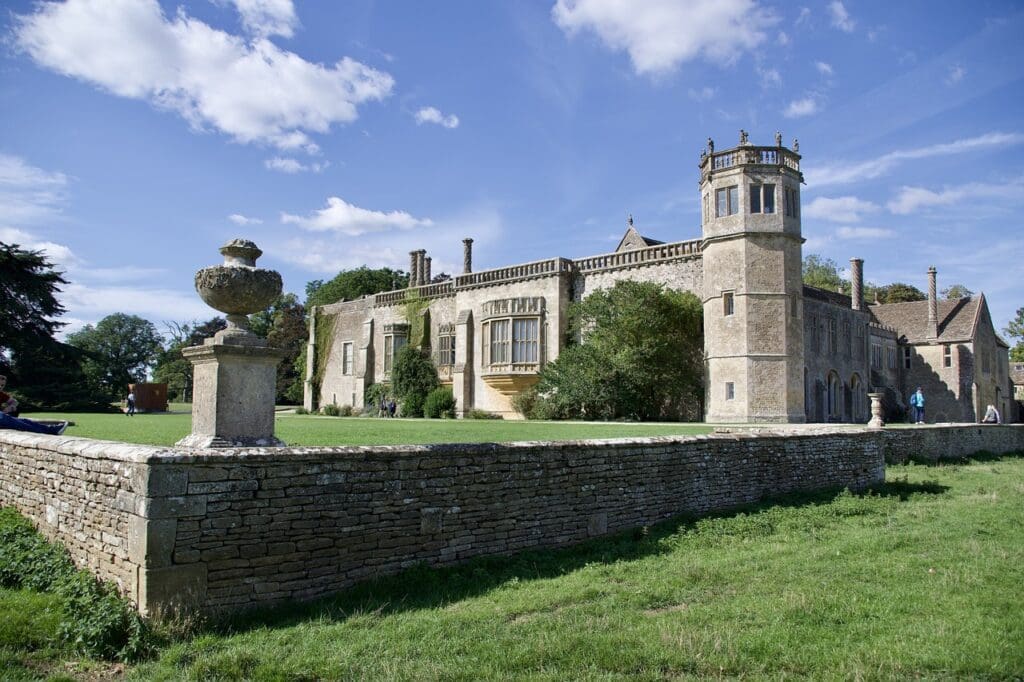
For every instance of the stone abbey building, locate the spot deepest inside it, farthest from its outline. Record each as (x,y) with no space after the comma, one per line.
(775,350)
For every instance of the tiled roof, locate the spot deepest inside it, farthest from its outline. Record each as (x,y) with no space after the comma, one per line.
(956,318)
(827,296)
(651,242)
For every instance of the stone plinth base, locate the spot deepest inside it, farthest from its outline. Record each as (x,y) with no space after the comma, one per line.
(234,386)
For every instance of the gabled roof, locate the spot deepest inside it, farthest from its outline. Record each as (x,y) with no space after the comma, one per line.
(958,319)
(827,296)
(634,240)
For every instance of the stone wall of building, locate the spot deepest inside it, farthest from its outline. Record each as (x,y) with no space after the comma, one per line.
(228,529)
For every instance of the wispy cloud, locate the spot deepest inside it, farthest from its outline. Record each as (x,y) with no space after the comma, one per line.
(914,199)
(799,108)
(854,171)
(341,216)
(433,115)
(840,17)
(770,78)
(824,68)
(248,89)
(292,166)
(856,233)
(659,35)
(955,75)
(239,219)
(703,95)
(29,195)
(839,209)
(267,17)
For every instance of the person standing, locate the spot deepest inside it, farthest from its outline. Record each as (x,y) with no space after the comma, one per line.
(917,406)
(131,403)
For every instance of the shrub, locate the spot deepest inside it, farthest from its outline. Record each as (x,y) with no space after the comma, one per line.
(373,394)
(330,410)
(95,620)
(301,410)
(413,377)
(345,411)
(482,414)
(525,403)
(412,405)
(440,403)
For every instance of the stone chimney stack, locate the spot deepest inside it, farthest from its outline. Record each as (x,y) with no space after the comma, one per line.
(426,275)
(467,256)
(421,266)
(857,283)
(413,272)
(933,305)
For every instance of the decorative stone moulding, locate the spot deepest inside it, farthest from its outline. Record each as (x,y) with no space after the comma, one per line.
(511,383)
(238,288)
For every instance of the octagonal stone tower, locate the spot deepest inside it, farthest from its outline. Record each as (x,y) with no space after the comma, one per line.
(753,290)
(235,371)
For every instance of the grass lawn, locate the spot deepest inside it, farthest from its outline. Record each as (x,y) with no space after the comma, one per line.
(166,429)
(921,579)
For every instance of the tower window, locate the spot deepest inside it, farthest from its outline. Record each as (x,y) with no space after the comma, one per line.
(789,198)
(346,357)
(730,390)
(727,201)
(728,303)
(906,357)
(947,356)
(762,198)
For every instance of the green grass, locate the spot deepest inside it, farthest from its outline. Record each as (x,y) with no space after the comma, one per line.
(921,579)
(166,429)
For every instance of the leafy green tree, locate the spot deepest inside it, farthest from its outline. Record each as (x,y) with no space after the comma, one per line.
(118,351)
(351,284)
(171,367)
(823,273)
(413,377)
(28,295)
(283,324)
(49,376)
(956,291)
(641,357)
(1015,329)
(898,292)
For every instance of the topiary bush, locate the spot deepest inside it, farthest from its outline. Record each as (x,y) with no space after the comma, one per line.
(440,403)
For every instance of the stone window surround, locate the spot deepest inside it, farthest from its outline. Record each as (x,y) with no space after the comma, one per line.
(395,337)
(907,353)
(728,303)
(730,390)
(947,355)
(762,198)
(445,345)
(514,316)
(727,198)
(347,348)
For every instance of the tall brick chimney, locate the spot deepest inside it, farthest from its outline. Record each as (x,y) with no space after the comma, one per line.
(421,266)
(467,256)
(857,283)
(933,305)
(413,272)
(426,275)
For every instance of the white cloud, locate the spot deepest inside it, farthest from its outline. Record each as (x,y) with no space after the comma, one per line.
(659,35)
(29,194)
(267,17)
(956,74)
(864,233)
(783,38)
(58,254)
(432,115)
(239,219)
(801,107)
(769,77)
(250,90)
(292,166)
(93,303)
(846,172)
(703,95)
(913,199)
(341,216)
(824,68)
(804,16)
(840,17)
(839,209)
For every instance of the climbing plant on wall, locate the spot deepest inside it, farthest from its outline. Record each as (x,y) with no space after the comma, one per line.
(323,337)
(419,323)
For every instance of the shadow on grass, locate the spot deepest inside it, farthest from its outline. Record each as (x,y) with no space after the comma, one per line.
(982,456)
(426,587)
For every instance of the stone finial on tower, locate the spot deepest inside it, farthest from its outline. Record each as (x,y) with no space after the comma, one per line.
(796,145)
(778,138)
(467,256)
(711,146)
(744,137)
(413,268)
(856,283)
(426,276)
(933,305)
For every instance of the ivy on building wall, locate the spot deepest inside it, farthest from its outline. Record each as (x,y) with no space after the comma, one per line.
(419,325)
(323,338)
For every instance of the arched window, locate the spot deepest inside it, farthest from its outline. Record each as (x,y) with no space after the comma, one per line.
(833,403)
(859,409)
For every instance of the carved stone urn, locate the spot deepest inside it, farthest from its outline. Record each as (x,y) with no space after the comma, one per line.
(235,371)
(238,288)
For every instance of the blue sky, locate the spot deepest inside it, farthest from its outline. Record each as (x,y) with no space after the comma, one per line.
(136,137)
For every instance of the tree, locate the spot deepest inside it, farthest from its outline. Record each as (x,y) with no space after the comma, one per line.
(118,351)
(171,367)
(898,292)
(1015,329)
(823,273)
(49,376)
(283,324)
(956,291)
(352,284)
(640,357)
(413,377)
(28,291)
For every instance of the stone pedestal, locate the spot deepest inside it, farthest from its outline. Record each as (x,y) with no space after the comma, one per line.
(876,411)
(235,382)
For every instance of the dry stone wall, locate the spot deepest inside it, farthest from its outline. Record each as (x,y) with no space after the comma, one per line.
(217,530)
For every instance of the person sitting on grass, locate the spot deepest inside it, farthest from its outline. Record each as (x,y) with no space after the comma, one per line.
(9,407)
(992,416)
